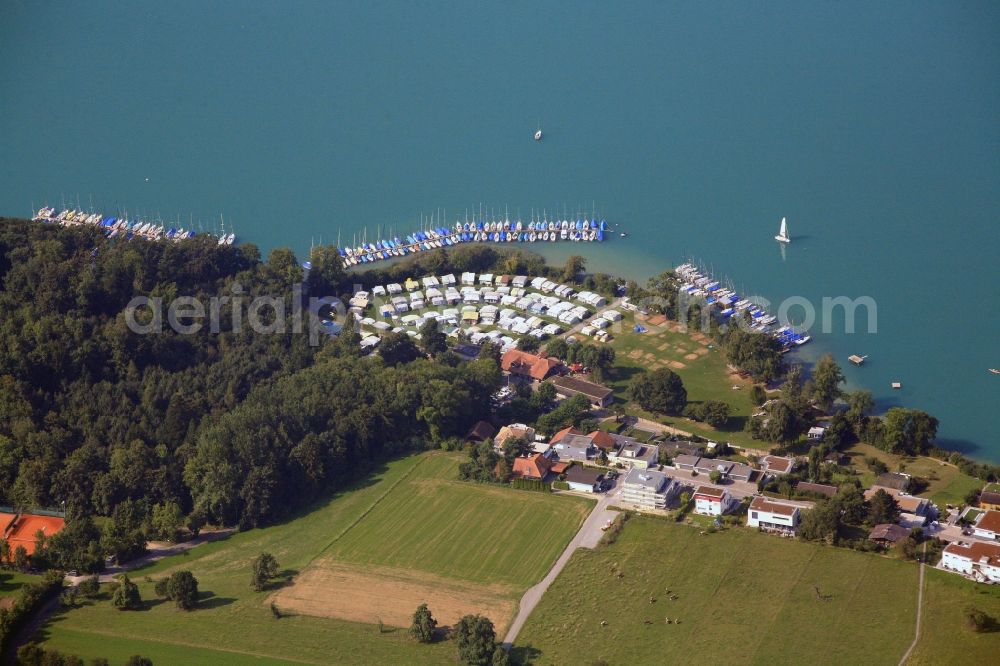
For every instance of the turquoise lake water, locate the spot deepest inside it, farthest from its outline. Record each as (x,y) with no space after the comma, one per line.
(696,126)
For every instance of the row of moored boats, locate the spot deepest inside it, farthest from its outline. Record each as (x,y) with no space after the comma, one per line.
(492,231)
(727,303)
(120,227)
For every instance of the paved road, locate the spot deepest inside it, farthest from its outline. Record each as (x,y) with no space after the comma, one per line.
(587,537)
(157,551)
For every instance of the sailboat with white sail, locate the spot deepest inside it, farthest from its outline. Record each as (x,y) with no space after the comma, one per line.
(783,236)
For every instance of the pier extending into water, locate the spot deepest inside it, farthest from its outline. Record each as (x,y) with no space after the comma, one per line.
(120,227)
(542,230)
(725,303)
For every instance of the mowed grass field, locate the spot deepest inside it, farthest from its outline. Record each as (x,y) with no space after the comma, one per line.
(743,598)
(703,370)
(235,626)
(944,638)
(435,523)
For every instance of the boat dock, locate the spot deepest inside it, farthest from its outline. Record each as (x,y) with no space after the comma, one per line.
(725,303)
(542,230)
(115,227)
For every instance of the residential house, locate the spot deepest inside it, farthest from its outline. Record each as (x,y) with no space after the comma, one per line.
(989,500)
(480,432)
(894,480)
(635,454)
(817,489)
(555,439)
(648,489)
(773,516)
(603,440)
(887,534)
(777,465)
(535,467)
(977,559)
(575,447)
(914,511)
(708,465)
(584,479)
(514,431)
(711,501)
(740,472)
(523,364)
(816,433)
(599,396)
(987,526)
(686,462)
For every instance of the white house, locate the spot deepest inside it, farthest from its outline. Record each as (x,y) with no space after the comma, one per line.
(773,516)
(988,525)
(648,488)
(979,560)
(816,433)
(711,501)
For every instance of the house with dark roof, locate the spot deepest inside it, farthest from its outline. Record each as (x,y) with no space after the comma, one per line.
(894,480)
(686,462)
(989,500)
(817,488)
(522,364)
(567,387)
(887,534)
(480,432)
(584,479)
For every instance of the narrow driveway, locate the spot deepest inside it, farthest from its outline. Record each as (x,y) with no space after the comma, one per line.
(157,551)
(587,537)
(920,606)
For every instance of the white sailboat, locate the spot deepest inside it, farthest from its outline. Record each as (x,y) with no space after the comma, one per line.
(783,236)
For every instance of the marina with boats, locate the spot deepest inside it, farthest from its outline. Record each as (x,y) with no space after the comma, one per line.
(484,230)
(540,229)
(122,227)
(725,303)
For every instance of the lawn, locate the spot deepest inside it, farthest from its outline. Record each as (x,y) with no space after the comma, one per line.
(496,541)
(703,370)
(946,483)
(742,597)
(11,582)
(944,638)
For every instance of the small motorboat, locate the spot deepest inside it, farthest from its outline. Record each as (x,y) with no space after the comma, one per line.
(538,134)
(995,371)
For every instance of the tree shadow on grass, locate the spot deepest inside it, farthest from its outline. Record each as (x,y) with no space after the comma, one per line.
(210,600)
(285,578)
(524,654)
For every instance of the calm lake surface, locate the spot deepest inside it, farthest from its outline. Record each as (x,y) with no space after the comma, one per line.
(873,127)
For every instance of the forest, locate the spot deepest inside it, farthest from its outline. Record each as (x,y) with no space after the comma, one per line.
(162,431)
